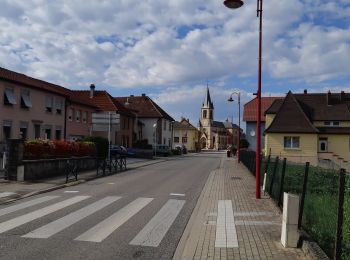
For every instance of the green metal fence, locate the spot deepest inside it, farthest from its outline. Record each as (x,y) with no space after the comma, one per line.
(318,189)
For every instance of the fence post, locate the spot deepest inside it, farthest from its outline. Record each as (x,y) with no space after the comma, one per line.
(282,182)
(306,175)
(340,215)
(267,163)
(273,175)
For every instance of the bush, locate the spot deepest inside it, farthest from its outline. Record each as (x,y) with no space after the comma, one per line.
(46,149)
(101,145)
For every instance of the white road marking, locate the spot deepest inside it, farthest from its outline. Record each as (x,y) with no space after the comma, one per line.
(24,205)
(71,191)
(253,214)
(178,194)
(110,183)
(256,223)
(153,233)
(6,194)
(13,223)
(62,223)
(102,230)
(226,235)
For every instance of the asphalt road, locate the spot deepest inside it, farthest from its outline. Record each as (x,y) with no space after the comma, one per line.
(138,214)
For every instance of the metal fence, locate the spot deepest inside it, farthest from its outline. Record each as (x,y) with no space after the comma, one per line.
(324,204)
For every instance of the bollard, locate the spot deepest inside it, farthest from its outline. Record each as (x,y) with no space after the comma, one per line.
(290,234)
(264,183)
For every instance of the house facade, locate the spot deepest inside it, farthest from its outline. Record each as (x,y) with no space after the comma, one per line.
(152,123)
(311,128)
(250,117)
(185,134)
(31,108)
(215,134)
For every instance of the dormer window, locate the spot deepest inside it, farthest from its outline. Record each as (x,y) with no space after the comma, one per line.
(331,123)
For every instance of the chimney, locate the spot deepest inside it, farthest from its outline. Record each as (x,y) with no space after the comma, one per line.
(131,95)
(329,98)
(305,91)
(92,90)
(342,96)
(143,94)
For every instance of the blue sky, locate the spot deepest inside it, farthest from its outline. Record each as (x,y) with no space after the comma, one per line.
(171,49)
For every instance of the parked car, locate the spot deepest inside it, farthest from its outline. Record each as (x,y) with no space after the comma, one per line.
(118,149)
(162,149)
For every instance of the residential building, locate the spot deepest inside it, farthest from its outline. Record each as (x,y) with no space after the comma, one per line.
(31,108)
(185,134)
(250,117)
(79,116)
(109,109)
(215,134)
(310,127)
(153,124)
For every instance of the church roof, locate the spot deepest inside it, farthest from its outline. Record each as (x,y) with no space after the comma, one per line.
(218,124)
(207,100)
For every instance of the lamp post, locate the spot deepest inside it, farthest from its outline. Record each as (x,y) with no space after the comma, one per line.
(239,123)
(234,4)
(155,138)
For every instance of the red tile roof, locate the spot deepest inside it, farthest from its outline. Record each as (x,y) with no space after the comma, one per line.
(15,77)
(144,107)
(250,108)
(103,101)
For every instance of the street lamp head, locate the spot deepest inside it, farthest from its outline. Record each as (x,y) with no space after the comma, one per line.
(233,4)
(230,99)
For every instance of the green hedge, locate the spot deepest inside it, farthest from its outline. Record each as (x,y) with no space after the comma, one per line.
(101,145)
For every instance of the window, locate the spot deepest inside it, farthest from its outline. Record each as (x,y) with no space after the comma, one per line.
(9,97)
(184,139)
(164,125)
(85,117)
(291,142)
(210,114)
(128,123)
(6,129)
(59,105)
(47,132)
(49,104)
(58,132)
(205,114)
(23,130)
(164,141)
(331,123)
(169,142)
(176,139)
(77,115)
(36,131)
(25,99)
(70,114)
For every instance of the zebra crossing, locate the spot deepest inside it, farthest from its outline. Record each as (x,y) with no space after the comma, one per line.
(150,236)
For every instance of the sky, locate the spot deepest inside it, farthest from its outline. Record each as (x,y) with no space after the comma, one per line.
(171,50)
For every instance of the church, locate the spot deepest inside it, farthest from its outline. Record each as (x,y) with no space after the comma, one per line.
(214,134)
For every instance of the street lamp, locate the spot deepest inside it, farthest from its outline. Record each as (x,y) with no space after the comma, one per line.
(155,138)
(239,123)
(234,4)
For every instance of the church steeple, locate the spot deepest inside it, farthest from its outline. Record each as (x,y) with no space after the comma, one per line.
(207,101)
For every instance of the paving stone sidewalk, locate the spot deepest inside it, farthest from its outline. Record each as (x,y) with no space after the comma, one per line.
(257,222)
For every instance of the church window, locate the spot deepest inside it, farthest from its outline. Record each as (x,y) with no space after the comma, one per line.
(205,114)
(210,114)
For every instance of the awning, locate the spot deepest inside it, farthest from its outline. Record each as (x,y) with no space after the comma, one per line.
(26,100)
(10,96)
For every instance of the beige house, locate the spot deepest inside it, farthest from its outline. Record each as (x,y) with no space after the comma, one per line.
(311,128)
(185,134)
(30,108)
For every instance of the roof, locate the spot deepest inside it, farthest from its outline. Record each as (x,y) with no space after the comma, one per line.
(183,124)
(218,124)
(291,118)
(103,101)
(250,108)
(144,107)
(334,130)
(320,106)
(229,124)
(207,100)
(16,77)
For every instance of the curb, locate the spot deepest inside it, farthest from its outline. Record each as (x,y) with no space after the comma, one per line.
(74,183)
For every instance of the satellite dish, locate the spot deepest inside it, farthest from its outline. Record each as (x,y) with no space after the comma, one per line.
(252,133)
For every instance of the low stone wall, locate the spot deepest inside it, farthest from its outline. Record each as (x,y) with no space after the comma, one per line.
(47,168)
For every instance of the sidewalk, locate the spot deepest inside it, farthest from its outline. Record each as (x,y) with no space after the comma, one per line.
(13,190)
(252,232)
